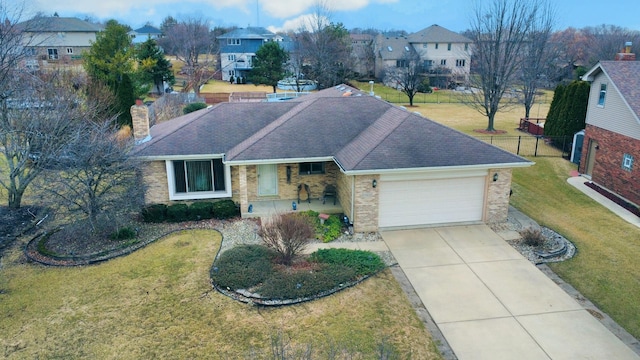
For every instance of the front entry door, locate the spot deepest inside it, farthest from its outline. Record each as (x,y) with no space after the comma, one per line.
(267,180)
(591,157)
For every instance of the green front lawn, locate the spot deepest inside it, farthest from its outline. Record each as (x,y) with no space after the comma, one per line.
(158,303)
(605,268)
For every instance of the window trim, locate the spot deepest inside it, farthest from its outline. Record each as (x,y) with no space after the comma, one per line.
(627,162)
(448,46)
(443,62)
(171,182)
(311,171)
(602,95)
(461,62)
(234,41)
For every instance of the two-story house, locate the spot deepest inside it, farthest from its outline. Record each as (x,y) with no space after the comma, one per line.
(611,155)
(441,51)
(148,31)
(57,39)
(238,49)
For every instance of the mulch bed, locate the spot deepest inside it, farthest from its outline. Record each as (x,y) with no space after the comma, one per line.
(615,198)
(15,222)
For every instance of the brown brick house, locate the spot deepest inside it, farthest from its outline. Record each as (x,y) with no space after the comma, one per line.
(612,133)
(390,167)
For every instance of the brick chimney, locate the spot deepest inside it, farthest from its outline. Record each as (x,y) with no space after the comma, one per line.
(626,54)
(140,117)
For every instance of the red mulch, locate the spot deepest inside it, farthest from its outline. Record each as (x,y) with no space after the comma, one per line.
(494,132)
(613,197)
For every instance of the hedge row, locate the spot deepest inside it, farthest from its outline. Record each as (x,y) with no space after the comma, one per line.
(158,213)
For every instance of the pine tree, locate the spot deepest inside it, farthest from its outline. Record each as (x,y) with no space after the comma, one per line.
(125,98)
(551,125)
(153,65)
(269,65)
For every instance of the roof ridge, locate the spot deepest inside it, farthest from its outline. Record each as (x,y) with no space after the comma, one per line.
(245,144)
(371,137)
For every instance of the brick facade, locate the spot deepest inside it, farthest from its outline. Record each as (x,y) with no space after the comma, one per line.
(365,217)
(607,169)
(154,174)
(497,196)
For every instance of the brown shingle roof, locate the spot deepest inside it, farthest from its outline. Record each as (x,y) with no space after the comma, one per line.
(362,133)
(436,33)
(626,77)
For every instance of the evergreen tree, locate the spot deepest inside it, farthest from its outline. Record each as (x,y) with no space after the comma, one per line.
(269,65)
(154,66)
(125,98)
(551,125)
(111,55)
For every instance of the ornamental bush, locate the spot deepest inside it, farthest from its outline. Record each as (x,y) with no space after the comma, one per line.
(243,267)
(362,262)
(225,209)
(532,237)
(200,210)
(283,285)
(193,107)
(155,213)
(177,212)
(124,233)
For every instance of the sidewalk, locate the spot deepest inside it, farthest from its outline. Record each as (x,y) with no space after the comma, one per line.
(578,183)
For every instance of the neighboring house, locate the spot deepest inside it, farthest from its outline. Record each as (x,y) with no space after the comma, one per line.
(145,33)
(362,50)
(390,167)
(238,49)
(611,152)
(57,39)
(441,51)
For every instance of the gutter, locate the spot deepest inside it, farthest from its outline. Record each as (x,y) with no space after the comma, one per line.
(438,169)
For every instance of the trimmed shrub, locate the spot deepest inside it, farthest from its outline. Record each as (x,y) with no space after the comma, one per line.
(362,262)
(225,209)
(177,212)
(200,211)
(532,237)
(242,267)
(156,213)
(193,107)
(305,284)
(124,233)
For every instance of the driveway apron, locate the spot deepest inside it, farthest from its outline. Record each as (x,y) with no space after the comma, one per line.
(492,303)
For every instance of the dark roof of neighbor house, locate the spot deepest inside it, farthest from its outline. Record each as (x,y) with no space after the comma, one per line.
(248,33)
(148,29)
(436,33)
(625,76)
(393,48)
(59,24)
(360,132)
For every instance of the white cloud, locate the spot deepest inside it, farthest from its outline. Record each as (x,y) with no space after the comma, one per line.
(301,22)
(286,8)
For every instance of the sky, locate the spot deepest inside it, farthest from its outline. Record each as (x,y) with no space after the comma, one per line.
(409,15)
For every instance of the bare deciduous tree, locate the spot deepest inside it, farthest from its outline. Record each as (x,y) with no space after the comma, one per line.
(536,52)
(499,29)
(326,48)
(96,178)
(287,234)
(190,41)
(407,76)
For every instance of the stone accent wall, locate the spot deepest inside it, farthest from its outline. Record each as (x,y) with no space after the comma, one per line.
(154,174)
(497,198)
(607,169)
(140,117)
(365,217)
(242,188)
(344,184)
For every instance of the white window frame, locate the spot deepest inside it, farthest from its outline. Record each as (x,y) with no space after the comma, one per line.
(602,95)
(443,62)
(231,57)
(461,62)
(234,42)
(449,47)
(171,181)
(69,51)
(312,165)
(627,162)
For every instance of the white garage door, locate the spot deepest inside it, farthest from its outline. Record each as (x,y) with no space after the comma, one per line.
(432,201)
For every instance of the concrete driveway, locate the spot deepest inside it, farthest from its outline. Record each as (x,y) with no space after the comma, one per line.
(491,303)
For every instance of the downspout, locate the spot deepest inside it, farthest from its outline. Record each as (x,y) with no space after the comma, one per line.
(353,197)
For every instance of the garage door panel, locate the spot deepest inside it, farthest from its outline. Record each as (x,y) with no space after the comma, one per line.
(426,202)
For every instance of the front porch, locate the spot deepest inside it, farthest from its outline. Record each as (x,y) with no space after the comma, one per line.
(264,208)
